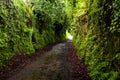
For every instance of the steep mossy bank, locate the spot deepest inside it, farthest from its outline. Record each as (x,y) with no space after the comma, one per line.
(27,26)
(97,37)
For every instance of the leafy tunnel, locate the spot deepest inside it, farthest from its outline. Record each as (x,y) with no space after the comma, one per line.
(28,25)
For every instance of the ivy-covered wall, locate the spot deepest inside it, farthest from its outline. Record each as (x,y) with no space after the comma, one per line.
(25,27)
(97,38)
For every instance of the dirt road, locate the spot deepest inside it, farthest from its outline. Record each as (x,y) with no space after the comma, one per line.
(54,65)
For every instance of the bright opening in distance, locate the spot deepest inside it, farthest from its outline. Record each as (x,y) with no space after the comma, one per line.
(26,1)
(69,36)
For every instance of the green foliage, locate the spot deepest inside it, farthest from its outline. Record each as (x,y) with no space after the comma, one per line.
(115,28)
(98,42)
(49,26)
(25,27)
(15,29)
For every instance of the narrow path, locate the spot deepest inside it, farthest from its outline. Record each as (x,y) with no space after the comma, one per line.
(54,65)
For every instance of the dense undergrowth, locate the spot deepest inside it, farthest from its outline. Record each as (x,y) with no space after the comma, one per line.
(27,26)
(97,37)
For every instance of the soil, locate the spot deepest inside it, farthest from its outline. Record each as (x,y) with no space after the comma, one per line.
(54,62)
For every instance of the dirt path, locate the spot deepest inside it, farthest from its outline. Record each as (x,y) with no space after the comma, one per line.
(53,65)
